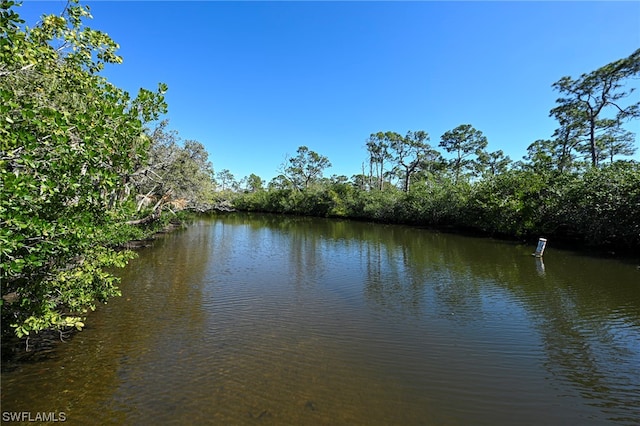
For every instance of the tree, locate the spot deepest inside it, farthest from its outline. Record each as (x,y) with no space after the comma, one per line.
(463,141)
(378,148)
(492,163)
(150,178)
(226,179)
(280,182)
(254,183)
(550,156)
(306,167)
(568,138)
(541,156)
(614,141)
(175,170)
(586,98)
(70,142)
(360,181)
(191,174)
(410,152)
(431,167)
(338,179)
(554,155)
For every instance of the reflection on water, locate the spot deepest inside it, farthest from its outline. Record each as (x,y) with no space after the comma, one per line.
(540,266)
(283,320)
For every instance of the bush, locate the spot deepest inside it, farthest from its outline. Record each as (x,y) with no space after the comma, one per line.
(604,206)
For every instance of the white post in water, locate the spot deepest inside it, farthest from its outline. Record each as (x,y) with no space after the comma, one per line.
(542,243)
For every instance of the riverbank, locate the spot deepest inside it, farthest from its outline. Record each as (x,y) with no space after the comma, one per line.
(573,244)
(597,210)
(35,346)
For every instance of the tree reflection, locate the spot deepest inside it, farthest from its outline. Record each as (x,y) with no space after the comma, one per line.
(586,314)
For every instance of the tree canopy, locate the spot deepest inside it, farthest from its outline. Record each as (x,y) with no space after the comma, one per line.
(306,167)
(70,143)
(463,142)
(585,100)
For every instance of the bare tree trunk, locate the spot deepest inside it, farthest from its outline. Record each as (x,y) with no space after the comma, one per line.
(155,212)
(144,198)
(592,143)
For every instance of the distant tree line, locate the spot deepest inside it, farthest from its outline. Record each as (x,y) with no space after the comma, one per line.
(574,186)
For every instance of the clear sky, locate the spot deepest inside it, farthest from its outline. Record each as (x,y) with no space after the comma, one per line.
(253,81)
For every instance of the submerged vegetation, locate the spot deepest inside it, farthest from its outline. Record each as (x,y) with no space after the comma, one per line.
(86,167)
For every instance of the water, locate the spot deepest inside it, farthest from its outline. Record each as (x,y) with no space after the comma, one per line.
(244,319)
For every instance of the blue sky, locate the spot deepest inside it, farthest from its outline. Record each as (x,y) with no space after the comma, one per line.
(253,81)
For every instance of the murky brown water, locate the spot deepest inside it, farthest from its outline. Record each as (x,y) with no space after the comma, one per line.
(247,319)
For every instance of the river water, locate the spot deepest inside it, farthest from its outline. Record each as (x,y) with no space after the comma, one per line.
(248,318)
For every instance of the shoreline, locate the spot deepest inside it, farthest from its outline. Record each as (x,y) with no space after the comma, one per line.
(15,350)
(605,251)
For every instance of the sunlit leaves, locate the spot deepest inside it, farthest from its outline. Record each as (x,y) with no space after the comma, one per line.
(70,141)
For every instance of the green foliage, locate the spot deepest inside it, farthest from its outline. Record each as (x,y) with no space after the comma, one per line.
(378,205)
(225,179)
(463,141)
(305,168)
(175,171)
(604,206)
(492,163)
(586,99)
(508,204)
(411,154)
(254,183)
(437,202)
(70,141)
(601,207)
(75,151)
(76,288)
(378,146)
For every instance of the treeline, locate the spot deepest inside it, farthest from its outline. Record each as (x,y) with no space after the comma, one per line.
(573,186)
(598,208)
(85,167)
